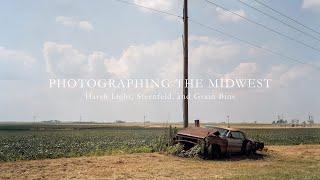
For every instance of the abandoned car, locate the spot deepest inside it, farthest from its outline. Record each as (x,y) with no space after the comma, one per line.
(217,141)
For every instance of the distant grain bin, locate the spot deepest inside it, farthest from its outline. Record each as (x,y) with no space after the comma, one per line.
(197,123)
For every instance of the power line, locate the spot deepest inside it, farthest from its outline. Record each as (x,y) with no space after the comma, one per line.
(226,34)
(151,9)
(279,20)
(264,26)
(282,14)
(253,44)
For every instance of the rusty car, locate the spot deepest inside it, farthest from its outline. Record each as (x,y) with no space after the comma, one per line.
(217,142)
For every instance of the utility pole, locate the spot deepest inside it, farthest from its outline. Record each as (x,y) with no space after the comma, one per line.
(185,64)
(228,119)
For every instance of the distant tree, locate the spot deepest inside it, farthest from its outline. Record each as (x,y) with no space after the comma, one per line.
(304,123)
(120,121)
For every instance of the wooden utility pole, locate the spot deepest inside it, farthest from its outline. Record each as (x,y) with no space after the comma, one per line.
(228,119)
(185,64)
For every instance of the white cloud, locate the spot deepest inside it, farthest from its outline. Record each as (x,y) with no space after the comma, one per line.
(151,60)
(310,3)
(161,59)
(164,58)
(156,4)
(15,64)
(244,70)
(164,5)
(74,23)
(64,60)
(96,64)
(227,16)
(85,25)
(299,76)
(212,49)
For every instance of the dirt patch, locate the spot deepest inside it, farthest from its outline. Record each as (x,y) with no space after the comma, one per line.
(284,162)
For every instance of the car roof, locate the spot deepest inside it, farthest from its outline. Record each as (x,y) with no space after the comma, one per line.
(233,129)
(196,132)
(230,129)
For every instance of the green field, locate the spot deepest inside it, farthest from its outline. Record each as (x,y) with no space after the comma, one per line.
(22,142)
(285,136)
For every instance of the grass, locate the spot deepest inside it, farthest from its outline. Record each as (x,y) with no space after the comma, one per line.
(279,162)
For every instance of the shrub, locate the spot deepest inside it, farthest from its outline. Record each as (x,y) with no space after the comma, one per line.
(194,152)
(175,149)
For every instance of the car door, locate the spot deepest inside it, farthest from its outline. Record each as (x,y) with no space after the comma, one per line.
(234,142)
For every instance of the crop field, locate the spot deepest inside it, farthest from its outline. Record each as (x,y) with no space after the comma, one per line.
(26,142)
(40,144)
(285,136)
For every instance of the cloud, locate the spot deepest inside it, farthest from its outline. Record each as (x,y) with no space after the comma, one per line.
(310,4)
(156,4)
(205,48)
(74,23)
(228,17)
(244,70)
(208,57)
(164,5)
(162,59)
(151,61)
(15,64)
(298,75)
(64,60)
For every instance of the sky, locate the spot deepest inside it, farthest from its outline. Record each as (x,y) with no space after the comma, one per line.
(108,39)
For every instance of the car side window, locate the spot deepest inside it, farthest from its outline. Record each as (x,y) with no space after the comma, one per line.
(242,136)
(237,135)
(232,135)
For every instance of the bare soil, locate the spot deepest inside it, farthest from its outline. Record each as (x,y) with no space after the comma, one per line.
(277,162)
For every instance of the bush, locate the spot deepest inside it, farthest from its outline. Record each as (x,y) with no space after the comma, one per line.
(194,152)
(175,149)
(160,143)
(178,150)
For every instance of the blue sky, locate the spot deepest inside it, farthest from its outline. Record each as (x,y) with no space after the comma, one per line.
(39,39)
